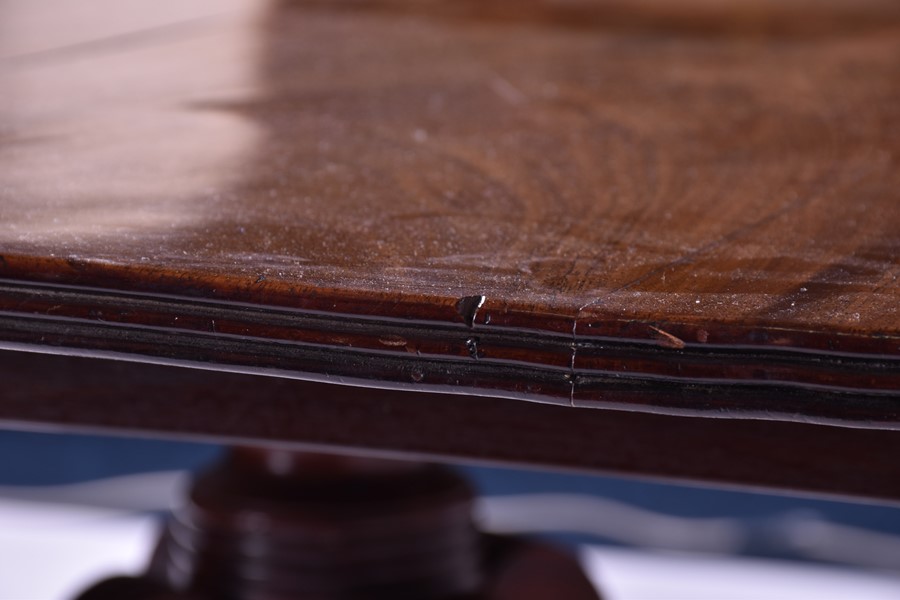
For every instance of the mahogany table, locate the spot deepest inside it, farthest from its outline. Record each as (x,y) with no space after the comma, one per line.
(642,237)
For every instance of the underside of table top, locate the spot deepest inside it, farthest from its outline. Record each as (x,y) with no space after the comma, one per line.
(689,209)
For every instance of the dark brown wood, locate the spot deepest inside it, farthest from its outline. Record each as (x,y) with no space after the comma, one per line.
(133,588)
(55,392)
(685,208)
(521,569)
(266,525)
(272,525)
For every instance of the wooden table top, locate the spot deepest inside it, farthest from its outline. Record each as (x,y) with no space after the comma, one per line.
(689,209)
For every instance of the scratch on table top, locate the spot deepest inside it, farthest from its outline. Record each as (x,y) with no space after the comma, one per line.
(667,339)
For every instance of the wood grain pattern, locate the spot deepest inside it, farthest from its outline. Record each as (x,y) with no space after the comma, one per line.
(691,209)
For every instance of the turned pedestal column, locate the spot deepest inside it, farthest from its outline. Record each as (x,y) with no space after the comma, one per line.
(277,525)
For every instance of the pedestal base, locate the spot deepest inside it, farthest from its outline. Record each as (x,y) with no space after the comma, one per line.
(274,525)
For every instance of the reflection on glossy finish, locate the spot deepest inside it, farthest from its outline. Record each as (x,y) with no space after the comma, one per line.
(631,180)
(100,152)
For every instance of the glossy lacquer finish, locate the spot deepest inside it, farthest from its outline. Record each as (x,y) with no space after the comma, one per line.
(687,207)
(86,394)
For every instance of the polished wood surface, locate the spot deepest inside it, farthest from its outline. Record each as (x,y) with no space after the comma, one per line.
(342,528)
(687,207)
(52,393)
(336,529)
